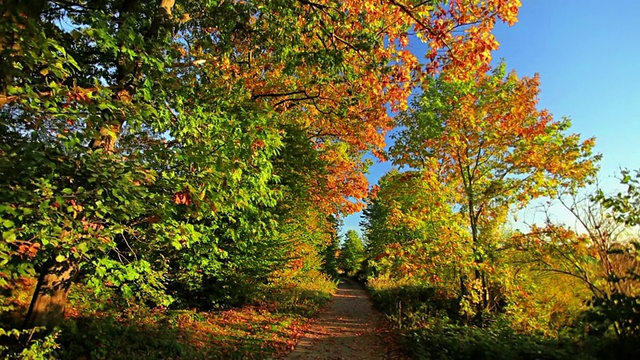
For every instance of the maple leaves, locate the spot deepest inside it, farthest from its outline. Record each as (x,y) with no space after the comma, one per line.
(202,95)
(329,66)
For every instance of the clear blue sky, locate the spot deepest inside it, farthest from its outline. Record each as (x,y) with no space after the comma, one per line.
(587,53)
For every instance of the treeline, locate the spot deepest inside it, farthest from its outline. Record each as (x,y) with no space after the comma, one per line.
(442,260)
(179,154)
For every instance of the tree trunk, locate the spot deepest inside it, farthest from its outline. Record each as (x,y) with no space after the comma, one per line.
(50,296)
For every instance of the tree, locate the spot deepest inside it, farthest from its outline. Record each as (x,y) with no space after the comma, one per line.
(307,231)
(351,253)
(486,138)
(411,230)
(110,166)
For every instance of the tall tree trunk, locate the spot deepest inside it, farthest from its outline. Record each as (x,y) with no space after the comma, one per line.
(50,296)
(478,259)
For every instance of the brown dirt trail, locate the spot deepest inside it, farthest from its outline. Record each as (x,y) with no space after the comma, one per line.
(350,329)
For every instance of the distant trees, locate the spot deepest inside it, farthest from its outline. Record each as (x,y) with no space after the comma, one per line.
(351,253)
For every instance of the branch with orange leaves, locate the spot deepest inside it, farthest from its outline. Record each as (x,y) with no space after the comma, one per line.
(418,21)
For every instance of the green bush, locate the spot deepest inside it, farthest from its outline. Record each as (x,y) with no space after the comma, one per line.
(415,303)
(431,328)
(108,337)
(27,344)
(442,340)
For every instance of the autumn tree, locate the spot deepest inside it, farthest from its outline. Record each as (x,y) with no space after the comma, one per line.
(412,232)
(306,232)
(486,138)
(601,251)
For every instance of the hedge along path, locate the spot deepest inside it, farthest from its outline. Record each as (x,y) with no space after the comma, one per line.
(349,328)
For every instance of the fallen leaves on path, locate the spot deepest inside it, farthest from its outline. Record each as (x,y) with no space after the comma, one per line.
(350,329)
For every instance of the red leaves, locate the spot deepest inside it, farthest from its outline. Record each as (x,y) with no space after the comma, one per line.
(153,219)
(257,145)
(182,198)
(297,264)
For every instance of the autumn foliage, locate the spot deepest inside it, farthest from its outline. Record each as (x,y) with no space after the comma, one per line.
(159,156)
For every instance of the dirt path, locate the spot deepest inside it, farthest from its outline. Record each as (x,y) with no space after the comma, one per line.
(349,329)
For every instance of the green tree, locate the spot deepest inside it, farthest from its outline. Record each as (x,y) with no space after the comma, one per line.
(119,154)
(412,232)
(330,258)
(351,253)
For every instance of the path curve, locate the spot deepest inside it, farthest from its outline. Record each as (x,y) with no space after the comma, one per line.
(350,329)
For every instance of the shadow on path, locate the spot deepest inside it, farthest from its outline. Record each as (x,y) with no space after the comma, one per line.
(349,329)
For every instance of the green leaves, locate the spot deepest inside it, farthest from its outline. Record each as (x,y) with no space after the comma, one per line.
(352,253)
(624,205)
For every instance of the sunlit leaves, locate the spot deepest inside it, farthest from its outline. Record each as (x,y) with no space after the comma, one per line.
(411,230)
(491,142)
(485,139)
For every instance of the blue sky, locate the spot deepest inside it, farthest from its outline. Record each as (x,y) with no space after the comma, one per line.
(587,53)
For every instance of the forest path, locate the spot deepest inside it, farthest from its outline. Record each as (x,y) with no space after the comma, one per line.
(349,328)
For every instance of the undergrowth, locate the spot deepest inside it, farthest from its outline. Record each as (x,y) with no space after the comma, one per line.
(113,329)
(431,329)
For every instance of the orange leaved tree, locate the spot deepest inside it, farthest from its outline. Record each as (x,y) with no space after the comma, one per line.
(495,147)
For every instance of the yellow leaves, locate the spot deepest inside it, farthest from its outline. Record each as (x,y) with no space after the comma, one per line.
(491,145)
(508,11)
(404,41)
(75,208)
